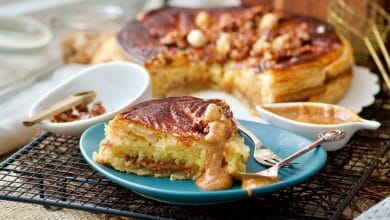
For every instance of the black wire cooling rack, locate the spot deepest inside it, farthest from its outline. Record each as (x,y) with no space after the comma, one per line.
(51,171)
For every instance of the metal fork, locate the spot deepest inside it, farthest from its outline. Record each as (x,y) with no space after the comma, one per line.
(271,173)
(261,154)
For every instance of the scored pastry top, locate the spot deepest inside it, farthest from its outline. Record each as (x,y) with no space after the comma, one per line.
(261,37)
(183,116)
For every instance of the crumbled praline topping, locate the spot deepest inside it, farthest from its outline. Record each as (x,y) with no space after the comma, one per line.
(252,33)
(78,113)
(223,43)
(203,20)
(218,128)
(269,21)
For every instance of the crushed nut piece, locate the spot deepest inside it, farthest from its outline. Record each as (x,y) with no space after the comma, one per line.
(196,38)
(226,22)
(281,42)
(171,38)
(203,20)
(223,43)
(78,113)
(304,36)
(260,46)
(268,56)
(98,109)
(213,112)
(269,21)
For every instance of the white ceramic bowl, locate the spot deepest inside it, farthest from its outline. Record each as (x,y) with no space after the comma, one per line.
(117,84)
(312,130)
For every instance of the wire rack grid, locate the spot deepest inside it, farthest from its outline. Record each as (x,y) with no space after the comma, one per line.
(51,171)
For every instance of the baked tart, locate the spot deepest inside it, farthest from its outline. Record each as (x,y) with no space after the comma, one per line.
(258,54)
(176,137)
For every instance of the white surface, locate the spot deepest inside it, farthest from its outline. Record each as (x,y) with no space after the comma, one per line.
(19,7)
(312,130)
(13,110)
(118,85)
(17,33)
(364,87)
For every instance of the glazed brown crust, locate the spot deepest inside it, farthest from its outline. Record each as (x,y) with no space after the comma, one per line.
(141,40)
(178,116)
(318,45)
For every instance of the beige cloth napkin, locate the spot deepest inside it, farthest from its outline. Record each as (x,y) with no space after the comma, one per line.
(13,210)
(14,108)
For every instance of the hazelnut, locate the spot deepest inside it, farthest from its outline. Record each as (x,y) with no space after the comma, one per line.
(260,46)
(170,38)
(203,20)
(269,21)
(213,112)
(223,43)
(196,38)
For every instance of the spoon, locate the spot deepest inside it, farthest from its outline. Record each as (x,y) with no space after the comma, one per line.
(71,101)
(270,175)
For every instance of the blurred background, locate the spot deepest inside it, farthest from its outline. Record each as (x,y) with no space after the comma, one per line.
(23,64)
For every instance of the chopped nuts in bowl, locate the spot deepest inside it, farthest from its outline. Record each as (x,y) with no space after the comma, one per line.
(117,85)
(79,112)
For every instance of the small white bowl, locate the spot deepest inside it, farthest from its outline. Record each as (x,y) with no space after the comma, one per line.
(118,85)
(312,130)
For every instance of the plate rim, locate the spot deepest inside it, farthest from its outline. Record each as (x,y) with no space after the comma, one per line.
(236,192)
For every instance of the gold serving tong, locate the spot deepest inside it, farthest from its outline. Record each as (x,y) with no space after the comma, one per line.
(371,28)
(68,103)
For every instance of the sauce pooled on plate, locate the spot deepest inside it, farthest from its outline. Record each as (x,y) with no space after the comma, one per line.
(315,114)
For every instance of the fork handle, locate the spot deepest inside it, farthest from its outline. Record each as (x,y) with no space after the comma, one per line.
(300,152)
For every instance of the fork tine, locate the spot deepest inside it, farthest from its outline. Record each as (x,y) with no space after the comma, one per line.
(277,159)
(274,161)
(266,163)
(260,149)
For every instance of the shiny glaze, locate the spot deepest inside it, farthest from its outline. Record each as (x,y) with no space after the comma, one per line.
(319,44)
(178,116)
(140,40)
(316,114)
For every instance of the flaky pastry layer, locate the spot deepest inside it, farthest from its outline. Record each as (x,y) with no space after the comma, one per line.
(132,147)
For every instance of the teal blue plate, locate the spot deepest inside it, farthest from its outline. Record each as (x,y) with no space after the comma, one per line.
(185,192)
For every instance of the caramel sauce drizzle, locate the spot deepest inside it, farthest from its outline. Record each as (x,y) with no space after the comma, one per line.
(216,176)
(316,114)
(248,183)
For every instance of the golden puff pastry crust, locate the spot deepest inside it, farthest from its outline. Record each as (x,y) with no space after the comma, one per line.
(259,54)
